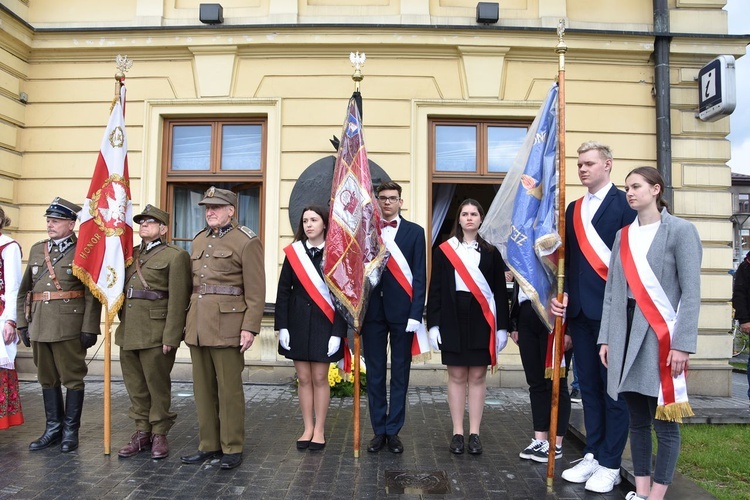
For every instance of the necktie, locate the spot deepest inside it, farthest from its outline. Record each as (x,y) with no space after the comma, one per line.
(314,251)
(385,223)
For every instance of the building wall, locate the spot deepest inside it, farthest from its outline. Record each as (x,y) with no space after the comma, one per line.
(288,60)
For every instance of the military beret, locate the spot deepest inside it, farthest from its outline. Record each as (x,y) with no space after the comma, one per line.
(217,196)
(151,212)
(62,209)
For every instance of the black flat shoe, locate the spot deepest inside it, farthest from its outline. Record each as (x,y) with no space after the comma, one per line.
(376,443)
(231,460)
(303,444)
(475,445)
(457,444)
(395,444)
(316,446)
(200,457)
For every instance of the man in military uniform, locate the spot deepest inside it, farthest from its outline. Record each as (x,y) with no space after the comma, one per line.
(60,318)
(152,321)
(223,319)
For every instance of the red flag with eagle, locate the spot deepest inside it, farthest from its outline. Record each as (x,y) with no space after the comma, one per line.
(105,237)
(354,255)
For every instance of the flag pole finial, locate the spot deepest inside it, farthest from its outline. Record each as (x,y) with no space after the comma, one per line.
(123,65)
(561,47)
(357,60)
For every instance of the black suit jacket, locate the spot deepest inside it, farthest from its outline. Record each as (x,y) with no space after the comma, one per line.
(309,328)
(441,305)
(584,286)
(388,300)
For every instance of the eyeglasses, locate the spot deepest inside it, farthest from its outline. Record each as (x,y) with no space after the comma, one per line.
(390,199)
(149,221)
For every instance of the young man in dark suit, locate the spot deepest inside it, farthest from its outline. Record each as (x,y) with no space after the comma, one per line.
(591,224)
(394,312)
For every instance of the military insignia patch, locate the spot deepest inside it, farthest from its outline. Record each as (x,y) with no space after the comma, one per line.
(248,232)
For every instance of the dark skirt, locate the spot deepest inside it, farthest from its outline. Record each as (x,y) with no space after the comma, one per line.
(467,324)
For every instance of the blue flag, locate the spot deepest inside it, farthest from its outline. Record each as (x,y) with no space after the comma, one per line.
(522,220)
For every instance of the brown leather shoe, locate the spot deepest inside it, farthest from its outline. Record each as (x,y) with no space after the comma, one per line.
(159,446)
(141,440)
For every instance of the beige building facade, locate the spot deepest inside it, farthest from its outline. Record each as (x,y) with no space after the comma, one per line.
(250,103)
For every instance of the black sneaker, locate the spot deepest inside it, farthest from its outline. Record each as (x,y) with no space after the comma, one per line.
(575,396)
(541,455)
(528,452)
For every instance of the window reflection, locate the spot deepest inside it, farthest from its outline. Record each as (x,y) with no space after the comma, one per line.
(455,148)
(191,147)
(503,144)
(241,147)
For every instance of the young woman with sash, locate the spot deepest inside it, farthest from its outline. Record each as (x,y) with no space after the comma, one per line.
(10,279)
(467,314)
(650,325)
(310,330)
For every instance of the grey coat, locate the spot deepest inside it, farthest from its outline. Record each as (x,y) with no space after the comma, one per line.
(675,257)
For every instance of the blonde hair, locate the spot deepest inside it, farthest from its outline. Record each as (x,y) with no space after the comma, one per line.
(604,150)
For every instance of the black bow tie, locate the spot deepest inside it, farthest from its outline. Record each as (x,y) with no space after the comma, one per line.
(314,251)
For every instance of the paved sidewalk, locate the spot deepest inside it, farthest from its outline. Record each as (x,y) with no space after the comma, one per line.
(273,468)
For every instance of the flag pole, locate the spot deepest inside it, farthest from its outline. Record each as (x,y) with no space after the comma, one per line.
(357,77)
(119,77)
(561,49)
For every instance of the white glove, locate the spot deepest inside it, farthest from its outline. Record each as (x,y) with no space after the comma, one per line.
(412,325)
(435,339)
(284,338)
(501,340)
(333,345)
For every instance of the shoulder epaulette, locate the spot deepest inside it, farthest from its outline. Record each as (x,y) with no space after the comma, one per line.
(248,232)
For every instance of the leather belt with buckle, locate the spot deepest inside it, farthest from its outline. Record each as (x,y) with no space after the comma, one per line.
(205,289)
(46,296)
(146,294)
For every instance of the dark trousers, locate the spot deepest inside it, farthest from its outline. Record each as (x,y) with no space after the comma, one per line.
(59,363)
(642,412)
(146,373)
(532,345)
(606,420)
(375,335)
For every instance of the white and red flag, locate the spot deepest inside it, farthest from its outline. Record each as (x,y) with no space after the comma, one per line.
(355,254)
(105,237)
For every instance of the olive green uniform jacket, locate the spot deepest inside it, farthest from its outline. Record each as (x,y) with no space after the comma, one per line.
(56,320)
(152,323)
(232,259)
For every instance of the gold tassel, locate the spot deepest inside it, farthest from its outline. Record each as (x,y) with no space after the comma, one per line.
(674,412)
(549,372)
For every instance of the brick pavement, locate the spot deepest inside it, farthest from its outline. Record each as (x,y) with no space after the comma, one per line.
(272,467)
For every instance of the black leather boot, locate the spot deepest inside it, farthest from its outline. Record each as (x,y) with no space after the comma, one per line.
(53,409)
(72,422)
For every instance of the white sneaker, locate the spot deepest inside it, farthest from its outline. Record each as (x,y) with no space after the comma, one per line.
(634,496)
(603,480)
(582,471)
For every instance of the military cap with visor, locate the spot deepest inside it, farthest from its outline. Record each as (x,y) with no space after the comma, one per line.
(62,209)
(218,196)
(152,212)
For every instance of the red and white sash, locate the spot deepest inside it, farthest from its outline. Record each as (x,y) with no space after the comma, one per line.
(480,289)
(399,268)
(661,316)
(592,246)
(309,277)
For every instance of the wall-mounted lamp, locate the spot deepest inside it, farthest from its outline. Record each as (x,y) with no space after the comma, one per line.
(23,97)
(211,13)
(488,12)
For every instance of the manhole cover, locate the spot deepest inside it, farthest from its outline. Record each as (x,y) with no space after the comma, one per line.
(399,482)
